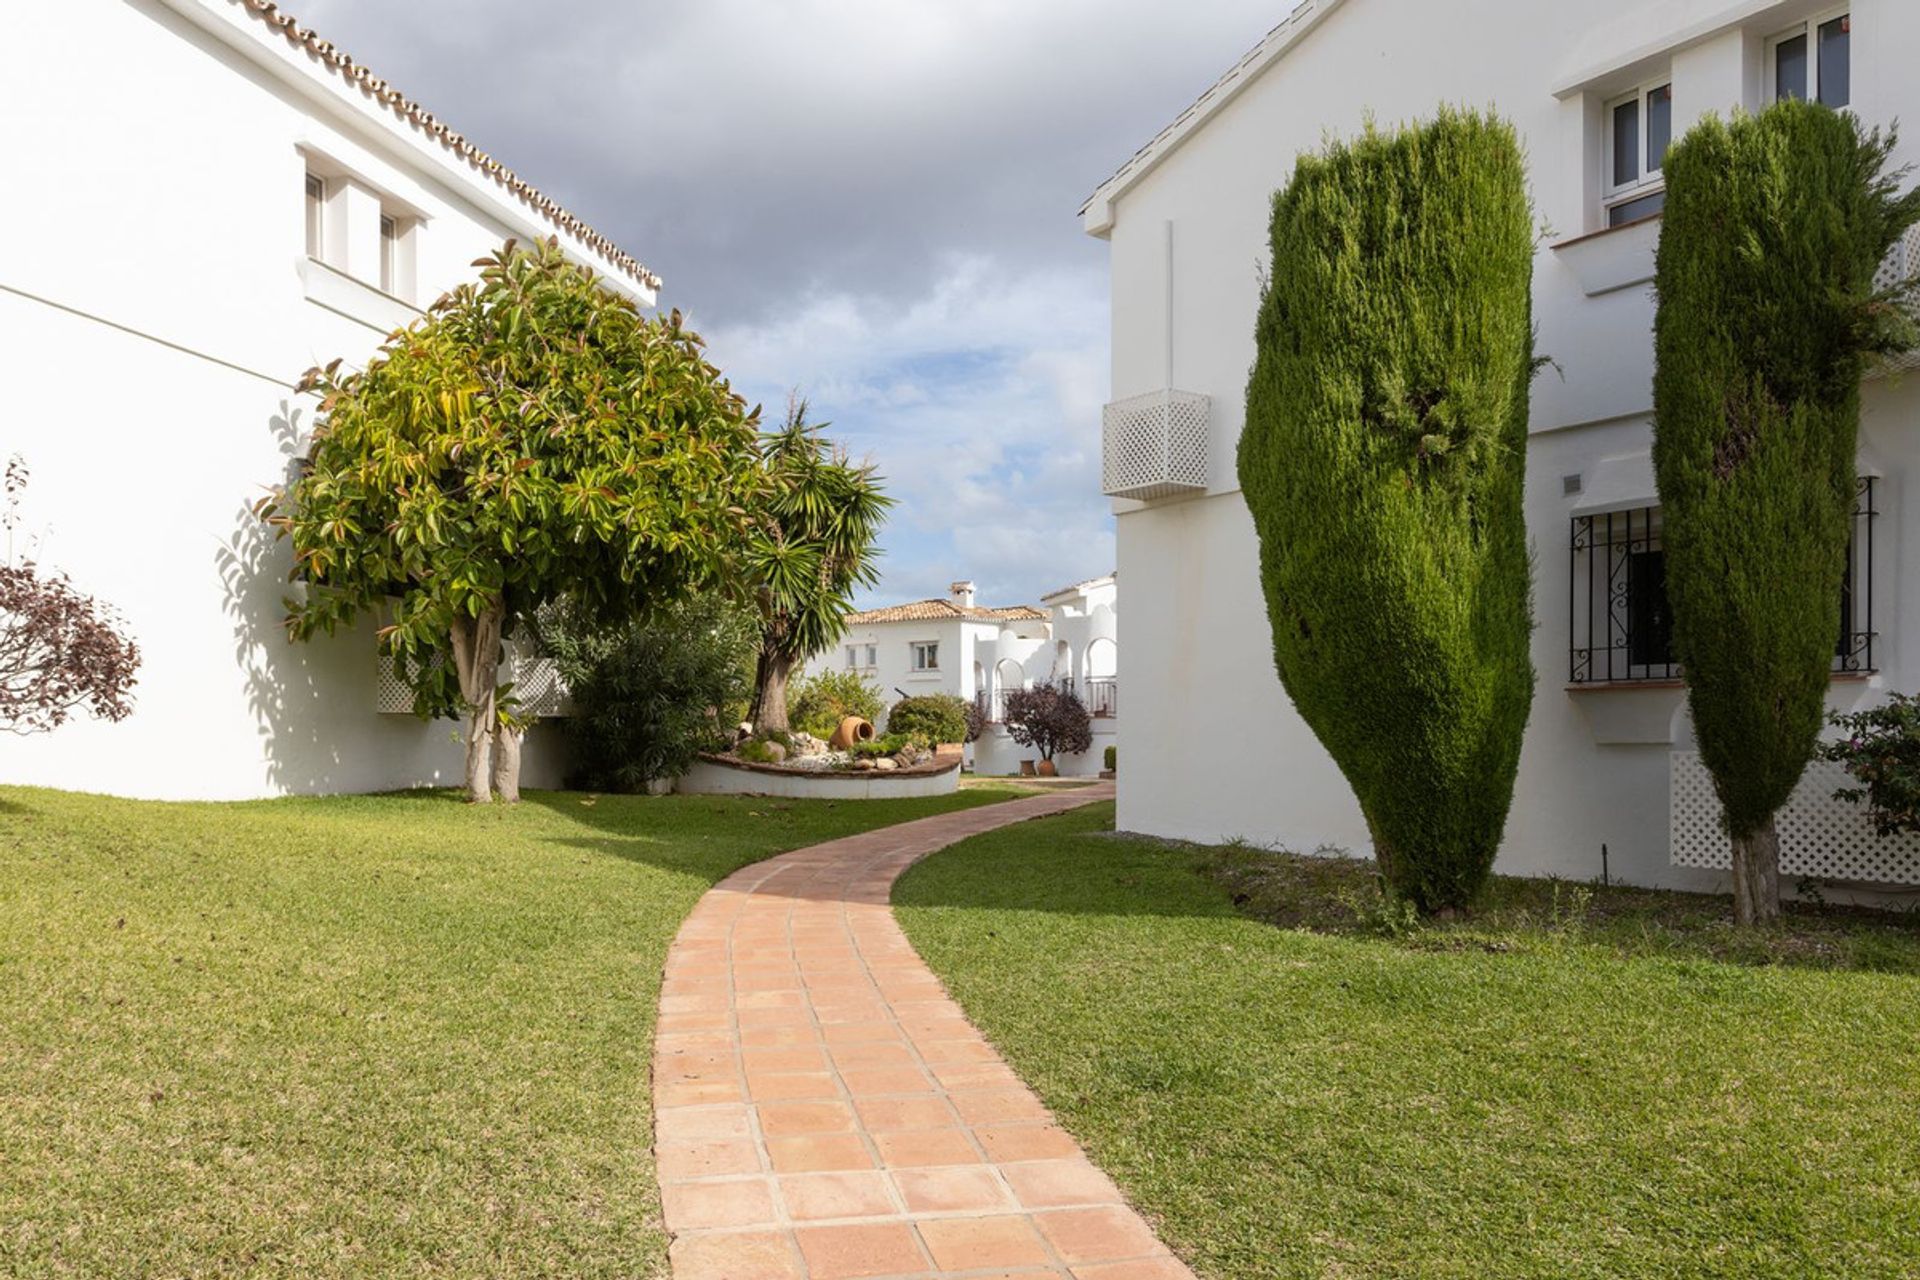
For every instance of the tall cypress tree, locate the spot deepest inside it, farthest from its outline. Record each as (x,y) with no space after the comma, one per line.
(1775,226)
(1383,461)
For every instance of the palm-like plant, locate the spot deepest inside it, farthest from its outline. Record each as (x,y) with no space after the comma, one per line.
(811,545)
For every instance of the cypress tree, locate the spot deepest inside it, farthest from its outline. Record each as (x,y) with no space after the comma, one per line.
(1775,226)
(1383,461)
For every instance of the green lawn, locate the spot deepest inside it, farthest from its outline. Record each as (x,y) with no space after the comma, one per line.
(368,1036)
(1521,1097)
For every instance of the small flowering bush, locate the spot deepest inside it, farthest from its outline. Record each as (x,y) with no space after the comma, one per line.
(1881,751)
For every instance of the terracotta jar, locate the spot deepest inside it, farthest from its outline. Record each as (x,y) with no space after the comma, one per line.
(851,729)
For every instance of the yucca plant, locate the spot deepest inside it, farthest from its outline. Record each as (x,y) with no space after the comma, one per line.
(811,544)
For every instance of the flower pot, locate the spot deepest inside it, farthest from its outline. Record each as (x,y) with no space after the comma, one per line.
(1047,770)
(852,729)
(1027,769)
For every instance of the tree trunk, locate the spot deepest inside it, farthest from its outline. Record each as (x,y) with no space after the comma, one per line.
(771,713)
(506,762)
(1756,875)
(476,660)
(759,690)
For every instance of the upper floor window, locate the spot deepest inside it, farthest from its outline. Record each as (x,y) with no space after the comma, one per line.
(316,215)
(853,657)
(389,253)
(1639,130)
(1621,625)
(926,655)
(1812,61)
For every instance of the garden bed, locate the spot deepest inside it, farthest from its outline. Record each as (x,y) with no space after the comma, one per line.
(718,775)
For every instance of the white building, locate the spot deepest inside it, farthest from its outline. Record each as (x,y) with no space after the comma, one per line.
(1596,93)
(205,200)
(957,647)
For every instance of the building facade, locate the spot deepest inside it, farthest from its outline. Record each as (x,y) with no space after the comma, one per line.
(208,199)
(955,646)
(1608,776)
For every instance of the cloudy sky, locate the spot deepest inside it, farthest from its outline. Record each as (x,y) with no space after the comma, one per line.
(870,201)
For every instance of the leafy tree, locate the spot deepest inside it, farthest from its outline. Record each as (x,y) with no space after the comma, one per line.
(1774,228)
(1881,751)
(650,692)
(534,436)
(1050,718)
(821,702)
(810,546)
(931,718)
(1383,461)
(60,651)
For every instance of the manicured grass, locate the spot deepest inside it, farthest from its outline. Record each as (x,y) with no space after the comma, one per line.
(362,1036)
(1286,1102)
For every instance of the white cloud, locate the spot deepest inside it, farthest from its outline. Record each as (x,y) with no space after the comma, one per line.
(980,403)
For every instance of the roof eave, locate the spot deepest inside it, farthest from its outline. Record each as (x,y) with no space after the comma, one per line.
(1097,214)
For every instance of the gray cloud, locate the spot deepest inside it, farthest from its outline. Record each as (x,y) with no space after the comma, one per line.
(871,200)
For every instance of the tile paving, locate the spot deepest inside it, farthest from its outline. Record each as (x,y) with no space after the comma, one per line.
(824,1111)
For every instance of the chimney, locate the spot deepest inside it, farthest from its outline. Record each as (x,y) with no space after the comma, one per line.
(962,593)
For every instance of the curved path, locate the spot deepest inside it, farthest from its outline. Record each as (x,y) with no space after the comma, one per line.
(823,1110)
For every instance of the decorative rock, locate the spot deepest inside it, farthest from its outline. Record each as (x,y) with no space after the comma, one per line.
(886,763)
(805,744)
(776,754)
(865,765)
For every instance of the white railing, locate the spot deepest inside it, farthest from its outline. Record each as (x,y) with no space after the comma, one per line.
(1154,446)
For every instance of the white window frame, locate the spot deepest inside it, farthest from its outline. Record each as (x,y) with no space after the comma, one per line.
(314,216)
(1810,28)
(1650,178)
(917,648)
(873,656)
(853,657)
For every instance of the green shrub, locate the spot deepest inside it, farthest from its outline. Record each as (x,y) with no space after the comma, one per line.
(756,750)
(886,744)
(817,704)
(930,719)
(649,695)
(1774,227)
(1882,753)
(1383,461)
(1109,759)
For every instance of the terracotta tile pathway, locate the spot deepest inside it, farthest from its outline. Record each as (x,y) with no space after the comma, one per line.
(823,1110)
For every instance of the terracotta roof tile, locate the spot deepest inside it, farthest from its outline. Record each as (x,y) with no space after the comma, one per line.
(945,611)
(413,113)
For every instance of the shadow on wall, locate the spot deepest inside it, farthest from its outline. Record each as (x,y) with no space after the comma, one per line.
(312,703)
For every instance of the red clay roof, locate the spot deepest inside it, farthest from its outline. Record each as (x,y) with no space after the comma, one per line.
(945,611)
(407,109)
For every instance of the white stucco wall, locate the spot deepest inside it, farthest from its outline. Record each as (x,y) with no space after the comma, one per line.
(1216,750)
(156,308)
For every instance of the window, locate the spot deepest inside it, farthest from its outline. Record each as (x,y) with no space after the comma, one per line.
(316,213)
(389,253)
(873,655)
(1813,61)
(926,655)
(1639,130)
(853,657)
(1621,626)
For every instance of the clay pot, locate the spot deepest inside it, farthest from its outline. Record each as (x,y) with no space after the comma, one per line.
(1027,770)
(1047,770)
(852,729)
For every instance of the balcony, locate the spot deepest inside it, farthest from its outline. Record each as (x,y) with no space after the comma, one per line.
(1154,446)
(1101,696)
(1903,263)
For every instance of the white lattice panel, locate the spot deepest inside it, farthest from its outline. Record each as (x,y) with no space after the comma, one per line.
(1820,837)
(1154,446)
(1903,263)
(536,683)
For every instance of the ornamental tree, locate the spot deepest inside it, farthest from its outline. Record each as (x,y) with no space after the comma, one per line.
(533,436)
(810,545)
(60,651)
(1383,461)
(1774,228)
(1049,718)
